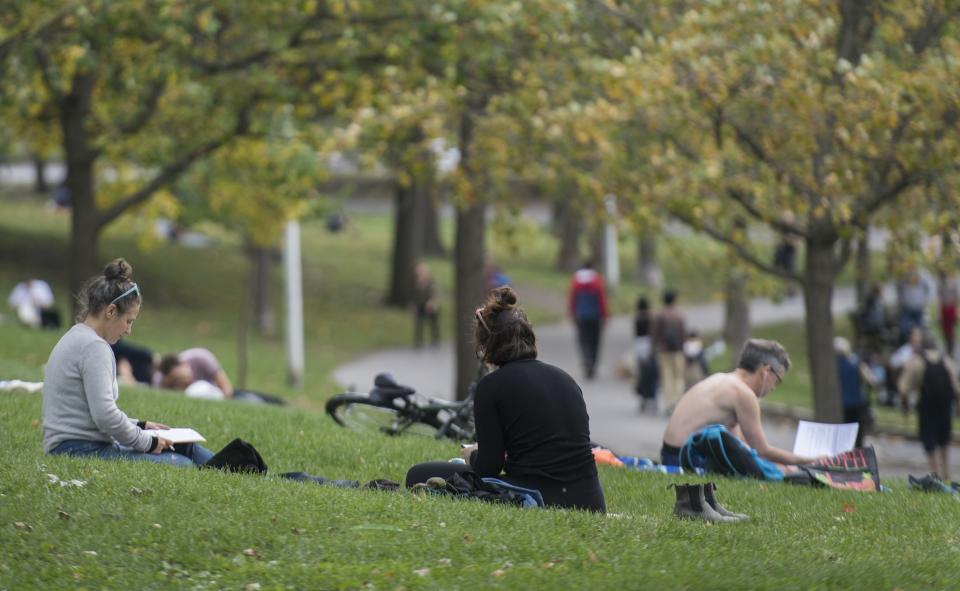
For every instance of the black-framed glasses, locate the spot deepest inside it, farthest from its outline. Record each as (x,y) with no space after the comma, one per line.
(133,289)
(776,374)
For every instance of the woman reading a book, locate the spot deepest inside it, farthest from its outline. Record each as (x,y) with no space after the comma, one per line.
(80,413)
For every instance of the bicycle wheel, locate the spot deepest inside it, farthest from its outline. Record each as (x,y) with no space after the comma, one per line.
(359,412)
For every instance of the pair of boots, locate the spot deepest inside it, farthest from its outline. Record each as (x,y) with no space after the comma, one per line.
(699,501)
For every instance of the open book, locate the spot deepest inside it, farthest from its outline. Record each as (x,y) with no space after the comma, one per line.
(823,439)
(177,435)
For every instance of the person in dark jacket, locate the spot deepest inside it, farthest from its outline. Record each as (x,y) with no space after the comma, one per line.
(588,308)
(532,424)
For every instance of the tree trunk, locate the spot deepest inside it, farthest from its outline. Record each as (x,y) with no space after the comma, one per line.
(819,276)
(568,227)
(648,271)
(262,261)
(85,222)
(598,251)
(862,271)
(243,328)
(40,184)
(736,324)
(406,235)
(468,265)
(425,192)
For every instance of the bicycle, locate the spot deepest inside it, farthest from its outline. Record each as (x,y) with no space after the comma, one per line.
(393,409)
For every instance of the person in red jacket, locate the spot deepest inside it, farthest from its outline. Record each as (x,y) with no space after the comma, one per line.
(588,308)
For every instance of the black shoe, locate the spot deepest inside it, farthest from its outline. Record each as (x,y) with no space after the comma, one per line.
(929,483)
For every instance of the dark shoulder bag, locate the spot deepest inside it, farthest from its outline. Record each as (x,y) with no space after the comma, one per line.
(238,456)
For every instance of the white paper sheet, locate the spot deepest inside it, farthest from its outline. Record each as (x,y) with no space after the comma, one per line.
(824,439)
(177,435)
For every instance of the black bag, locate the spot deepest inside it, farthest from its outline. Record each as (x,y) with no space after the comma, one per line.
(238,456)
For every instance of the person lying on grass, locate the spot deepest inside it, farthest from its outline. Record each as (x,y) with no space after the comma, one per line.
(80,413)
(179,371)
(198,373)
(733,401)
(532,421)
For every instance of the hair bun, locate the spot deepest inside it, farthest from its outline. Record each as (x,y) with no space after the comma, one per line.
(505,297)
(118,270)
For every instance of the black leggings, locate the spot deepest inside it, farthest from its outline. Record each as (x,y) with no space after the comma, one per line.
(585,493)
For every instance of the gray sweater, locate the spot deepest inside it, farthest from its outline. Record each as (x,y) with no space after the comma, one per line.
(80,394)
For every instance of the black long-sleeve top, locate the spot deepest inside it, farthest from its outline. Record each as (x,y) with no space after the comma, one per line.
(532,421)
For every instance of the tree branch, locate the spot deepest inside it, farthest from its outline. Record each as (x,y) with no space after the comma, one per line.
(781,225)
(881,198)
(754,147)
(172,171)
(44,63)
(627,18)
(742,251)
(148,107)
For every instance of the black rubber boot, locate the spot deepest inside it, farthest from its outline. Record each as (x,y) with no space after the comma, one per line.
(691,504)
(709,494)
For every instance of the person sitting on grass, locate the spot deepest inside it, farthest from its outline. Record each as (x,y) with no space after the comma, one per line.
(732,401)
(532,421)
(80,413)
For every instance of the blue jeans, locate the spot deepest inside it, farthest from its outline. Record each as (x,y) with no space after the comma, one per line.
(184,455)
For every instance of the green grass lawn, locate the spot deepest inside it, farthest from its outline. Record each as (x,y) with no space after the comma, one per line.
(147,526)
(157,527)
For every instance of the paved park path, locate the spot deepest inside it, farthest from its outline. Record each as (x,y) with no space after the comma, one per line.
(615,420)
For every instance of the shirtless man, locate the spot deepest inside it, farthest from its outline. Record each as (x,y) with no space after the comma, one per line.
(733,399)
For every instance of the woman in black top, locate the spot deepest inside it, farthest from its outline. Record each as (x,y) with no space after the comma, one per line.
(532,422)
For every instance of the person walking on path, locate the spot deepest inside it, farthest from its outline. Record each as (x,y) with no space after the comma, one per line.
(426,308)
(588,308)
(669,331)
(914,293)
(934,376)
(646,363)
(853,375)
(947,295)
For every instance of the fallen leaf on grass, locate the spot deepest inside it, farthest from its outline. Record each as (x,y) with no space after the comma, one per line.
(22,526)
(467,538)
(35,423)
(849,508)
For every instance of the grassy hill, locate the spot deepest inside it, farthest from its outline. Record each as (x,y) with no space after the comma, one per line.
(152,527)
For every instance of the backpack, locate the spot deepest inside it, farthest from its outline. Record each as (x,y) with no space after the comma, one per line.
(936,390)
(238,456)
(672,336)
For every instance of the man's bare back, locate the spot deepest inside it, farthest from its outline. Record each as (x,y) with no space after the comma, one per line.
(711,401)
(733,400)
